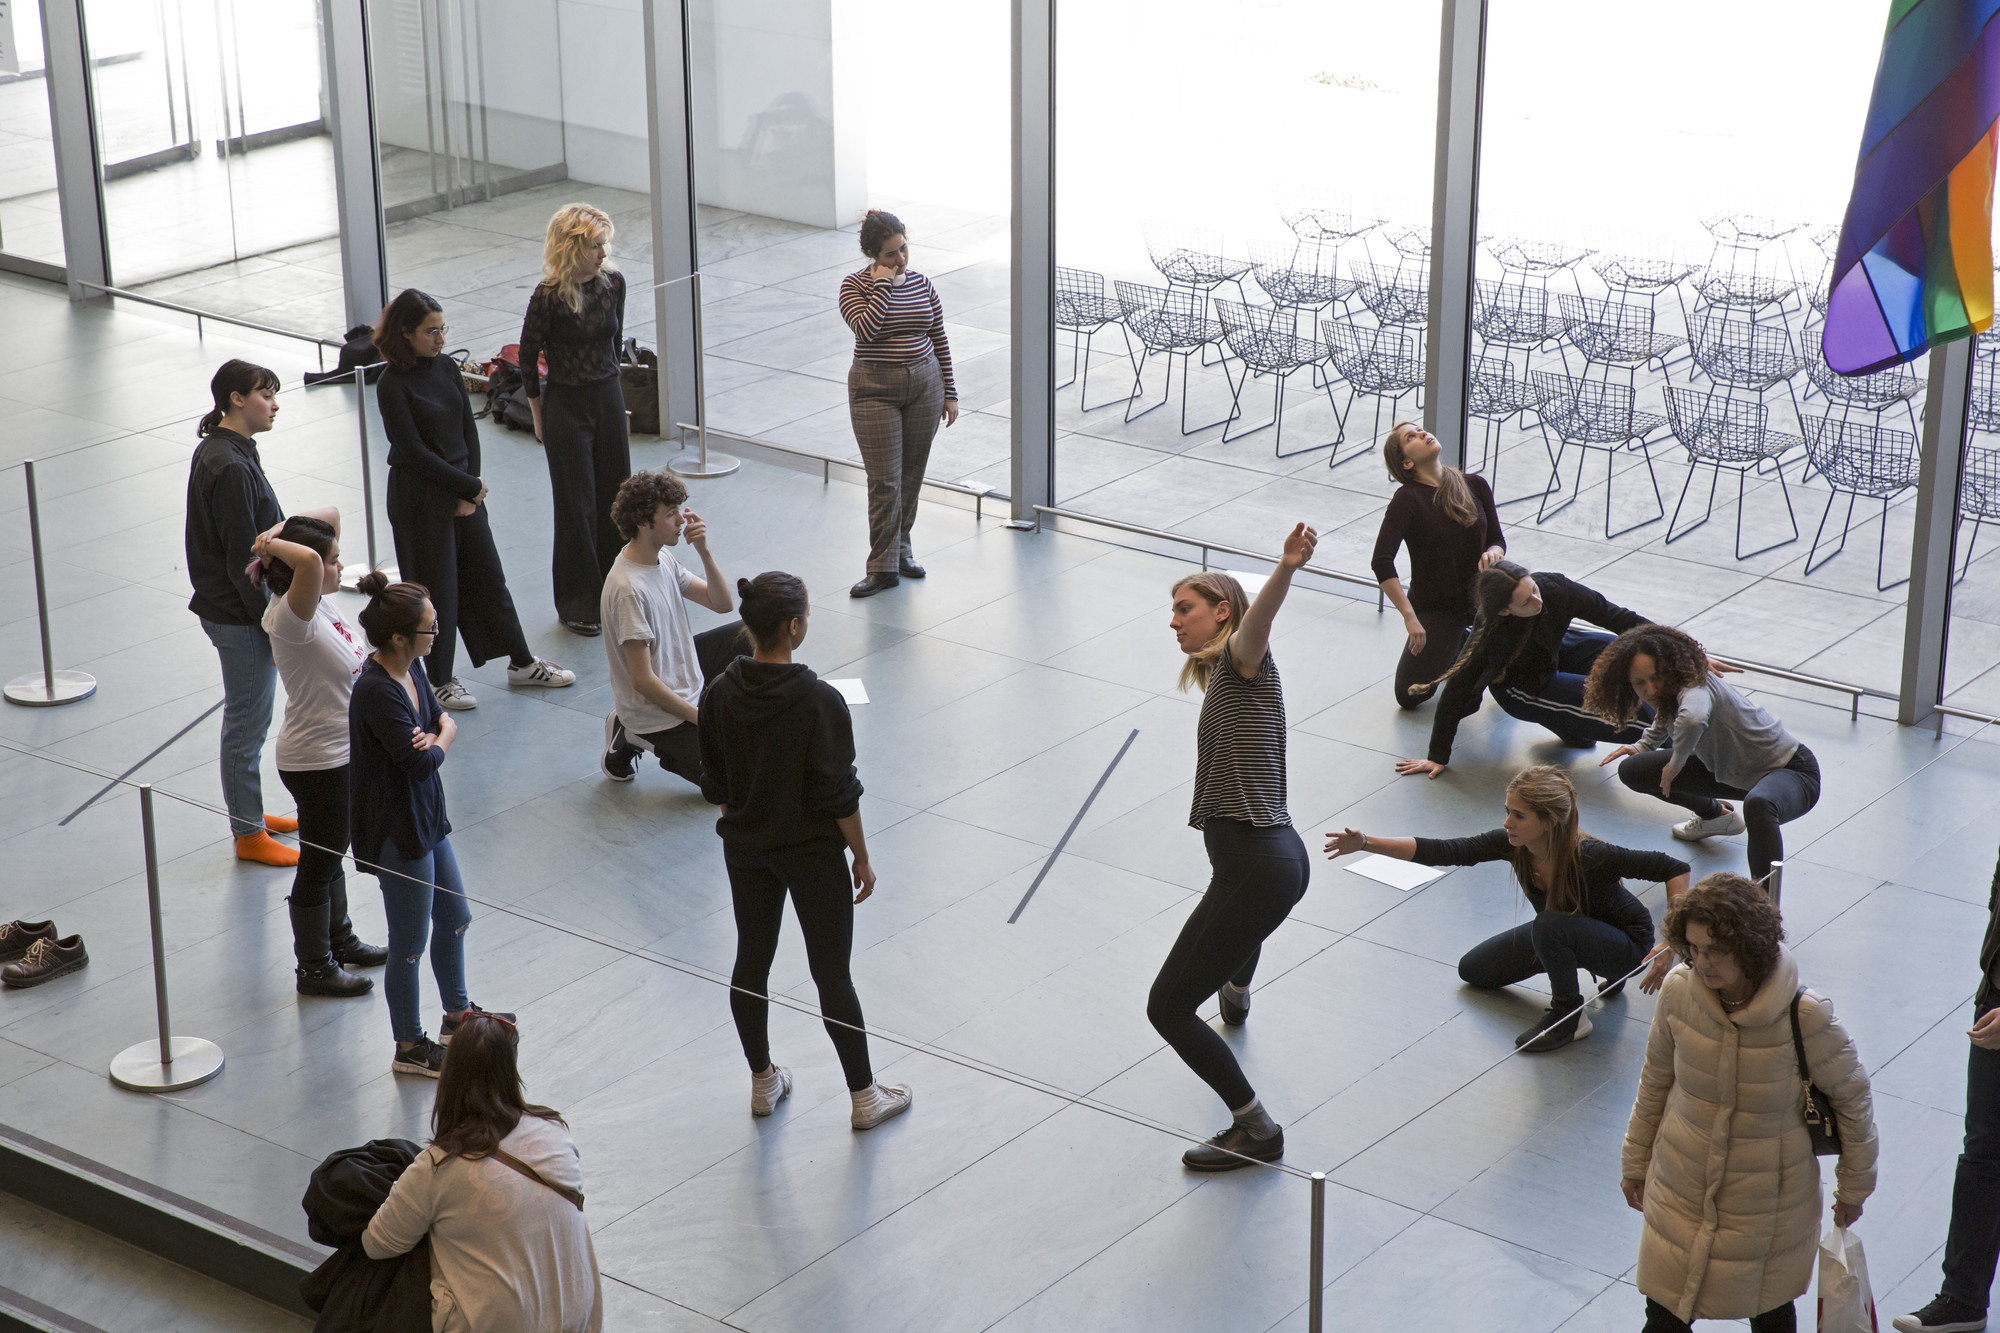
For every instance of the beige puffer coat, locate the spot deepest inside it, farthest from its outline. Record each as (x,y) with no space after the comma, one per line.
(1717,1133)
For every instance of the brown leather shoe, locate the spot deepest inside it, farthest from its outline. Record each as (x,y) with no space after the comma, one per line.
(17,937)
(45,961)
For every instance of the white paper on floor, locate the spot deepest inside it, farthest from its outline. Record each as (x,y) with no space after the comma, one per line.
(1404,875)
(851,690)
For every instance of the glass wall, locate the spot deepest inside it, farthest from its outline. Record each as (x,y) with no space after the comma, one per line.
(1243,207)
(1973,632)
(1657,232)
(795,138)
(30,219)
(217,166)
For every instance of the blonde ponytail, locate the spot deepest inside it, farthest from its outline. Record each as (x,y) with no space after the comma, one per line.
(1213,587)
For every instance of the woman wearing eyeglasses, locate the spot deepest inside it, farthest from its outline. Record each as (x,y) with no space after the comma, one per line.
(437,503)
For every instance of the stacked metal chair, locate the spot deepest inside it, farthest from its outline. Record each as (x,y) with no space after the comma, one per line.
(1978,497)
(1737,351)
(1397,297)
(1170,322)
(1265,340)
(1385,363)
(1515,317)
(1586,415)
(1300,276)
(1083,308)
(1616,334)
(1722,432)
(1495,391)
(1861,460)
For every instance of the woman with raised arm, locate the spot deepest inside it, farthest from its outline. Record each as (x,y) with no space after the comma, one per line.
(1448,522)
(1258,866)
(319,659)
(1584,915)
(1705,741)
(1524,650)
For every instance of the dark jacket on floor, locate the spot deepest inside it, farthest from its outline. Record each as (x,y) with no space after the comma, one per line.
(351,1292)
(777,754)
(1604,865)
(229,501)
(1521,653)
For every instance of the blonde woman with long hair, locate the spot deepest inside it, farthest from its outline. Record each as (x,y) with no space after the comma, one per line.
(1448,521)
(1260,867)
(1584,914)
(577,317)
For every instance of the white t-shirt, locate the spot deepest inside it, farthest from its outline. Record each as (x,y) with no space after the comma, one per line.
(644,604)
(319,661)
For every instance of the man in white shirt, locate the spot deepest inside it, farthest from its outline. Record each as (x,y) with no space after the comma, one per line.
(655,656)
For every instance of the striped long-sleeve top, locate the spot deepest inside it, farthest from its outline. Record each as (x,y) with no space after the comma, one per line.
(899,324)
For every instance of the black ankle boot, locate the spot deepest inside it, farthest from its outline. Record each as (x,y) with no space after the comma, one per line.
(330,978)
(347,950)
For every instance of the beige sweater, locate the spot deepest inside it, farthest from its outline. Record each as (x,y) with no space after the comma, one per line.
(507,1255)
(1717,1133)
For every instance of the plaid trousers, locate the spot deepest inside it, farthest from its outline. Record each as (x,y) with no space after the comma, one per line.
(896,410)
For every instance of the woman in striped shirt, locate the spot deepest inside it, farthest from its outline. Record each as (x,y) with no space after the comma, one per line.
(1259,865)
(898,390)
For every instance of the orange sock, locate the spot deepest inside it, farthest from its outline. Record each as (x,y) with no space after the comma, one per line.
(281,823)
(266,850)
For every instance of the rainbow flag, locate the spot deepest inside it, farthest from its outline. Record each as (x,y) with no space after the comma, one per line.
(1914,267)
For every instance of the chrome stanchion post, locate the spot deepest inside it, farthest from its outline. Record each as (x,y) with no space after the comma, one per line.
(167,1063)
(1316,1261)
(1774,883)
(51,687)
(349,582)
(699,462)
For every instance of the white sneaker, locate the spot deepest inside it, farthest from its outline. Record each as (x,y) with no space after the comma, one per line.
(455,696)
(766,1091)
(879,1102)
(539,672)
(1694,830)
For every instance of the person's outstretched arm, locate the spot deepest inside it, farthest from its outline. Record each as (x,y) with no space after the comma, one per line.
(1253,634)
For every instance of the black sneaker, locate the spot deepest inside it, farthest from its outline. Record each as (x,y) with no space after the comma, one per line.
(426,1058)
(1233,1149)
(1555,1029)
(619,752)
(1611,992)
(1943,1315)
(449,1024)
(1233,1013)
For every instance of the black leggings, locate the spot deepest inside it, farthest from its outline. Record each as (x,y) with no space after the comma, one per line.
(1556,943)
(1259,874)
(822,893)
(320,881)
(1659,1319)
(1775,799)
(1445,629)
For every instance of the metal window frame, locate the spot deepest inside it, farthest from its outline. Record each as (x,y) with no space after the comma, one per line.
(357,160)
(676,231)
(1933,542)
(73,129)
(1032,277)
(1455,223)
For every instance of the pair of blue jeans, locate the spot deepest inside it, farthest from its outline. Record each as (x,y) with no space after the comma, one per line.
(249,688)
(1972,1245)
(417,913)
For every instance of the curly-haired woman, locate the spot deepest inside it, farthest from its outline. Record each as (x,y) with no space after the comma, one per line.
(1716,1155)
(1584,914)
(1448,522)
(577,316)
(1706,741)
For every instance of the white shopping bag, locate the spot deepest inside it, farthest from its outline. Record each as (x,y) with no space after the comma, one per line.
(1845,1303)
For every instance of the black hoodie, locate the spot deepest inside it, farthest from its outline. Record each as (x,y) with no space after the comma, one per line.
(351,1292)
(777,754)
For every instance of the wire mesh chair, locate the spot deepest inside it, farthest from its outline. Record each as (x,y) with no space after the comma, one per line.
(1397,297)
(1264,338)
(1385,363)
(1861,460)
(1192,257)
(1516,316)
(1983,411)
(1736,351)
(1083,308)
(1495,391)
(1412,244)
(1538,261)
(1615,333)
(1594,414)
(1169,322)
(1875,393)
(1324,223)
(1720,432)
(1634,277)
(1739,273)
(1300,275)
(1978,498)
(1825,239)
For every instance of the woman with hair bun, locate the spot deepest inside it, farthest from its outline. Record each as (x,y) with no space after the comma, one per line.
(398,737)
(577,316)
(319,659)
(1585,917)
(1448,521)
(777,754)
(897,391)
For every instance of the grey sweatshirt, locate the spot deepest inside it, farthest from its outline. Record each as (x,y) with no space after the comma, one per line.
(1735,739)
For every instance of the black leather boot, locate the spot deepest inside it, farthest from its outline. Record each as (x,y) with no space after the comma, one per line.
(347,949)
(318,973)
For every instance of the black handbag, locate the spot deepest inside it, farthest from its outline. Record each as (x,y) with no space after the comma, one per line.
(1821,1127)
(638,379)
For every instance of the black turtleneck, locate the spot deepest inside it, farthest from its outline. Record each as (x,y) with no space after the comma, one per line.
(433,438)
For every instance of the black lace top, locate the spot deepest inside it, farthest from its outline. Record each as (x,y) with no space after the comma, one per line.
(582,346)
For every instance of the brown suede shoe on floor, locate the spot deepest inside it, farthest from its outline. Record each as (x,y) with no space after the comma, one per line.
(17,937)
(46,960)
(266,850)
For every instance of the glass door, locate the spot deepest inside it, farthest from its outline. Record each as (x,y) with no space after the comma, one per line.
(30,218)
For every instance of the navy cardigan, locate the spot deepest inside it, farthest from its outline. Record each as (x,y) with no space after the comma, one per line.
(398,798)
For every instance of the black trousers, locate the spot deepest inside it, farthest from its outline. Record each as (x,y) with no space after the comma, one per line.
(1659,1319)
(1972,1246)
(1445,630)
(319,886)
(1556,943)
(1259,874)
(821,888)
(1775,799)
(456,560)
(679,748)
(589,453)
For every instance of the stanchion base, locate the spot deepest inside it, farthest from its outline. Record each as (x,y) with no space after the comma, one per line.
(689,464)
(351,578)
(138,1068)
(32,691)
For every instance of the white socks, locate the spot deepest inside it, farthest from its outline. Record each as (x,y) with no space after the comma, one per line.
(1256,1119)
